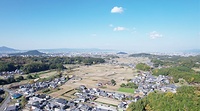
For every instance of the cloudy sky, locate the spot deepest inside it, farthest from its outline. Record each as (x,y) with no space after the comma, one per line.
(136,25)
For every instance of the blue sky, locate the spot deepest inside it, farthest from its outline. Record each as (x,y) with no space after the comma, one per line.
(136,25)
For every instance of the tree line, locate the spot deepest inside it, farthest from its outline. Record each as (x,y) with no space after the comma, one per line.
(11,80)
(129,85)
(36,64)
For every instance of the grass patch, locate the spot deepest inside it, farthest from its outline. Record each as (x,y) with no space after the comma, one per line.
(127,90)
(49,91)
(103,87)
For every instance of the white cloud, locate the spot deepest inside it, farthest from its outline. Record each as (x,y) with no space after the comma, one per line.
(110,25)
(155,35)
(117,10)
(119,29)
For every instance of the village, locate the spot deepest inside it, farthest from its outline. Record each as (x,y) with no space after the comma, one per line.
(85,97)
(84,87)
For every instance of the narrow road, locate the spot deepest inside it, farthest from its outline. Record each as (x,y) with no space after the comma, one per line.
(6,101)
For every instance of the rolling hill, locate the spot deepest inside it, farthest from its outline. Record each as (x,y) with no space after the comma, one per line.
(28,53)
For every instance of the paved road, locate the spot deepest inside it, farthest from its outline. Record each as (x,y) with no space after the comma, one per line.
(6,101)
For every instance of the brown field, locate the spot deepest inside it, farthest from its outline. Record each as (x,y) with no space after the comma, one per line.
(63,88)
(69,95)
(107,101)
(91,75)
(134,60)
(100,73)
(48,74)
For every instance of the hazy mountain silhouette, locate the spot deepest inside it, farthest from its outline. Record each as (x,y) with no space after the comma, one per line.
(5,49)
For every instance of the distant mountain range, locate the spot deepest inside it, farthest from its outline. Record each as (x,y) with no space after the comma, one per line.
(68,50)
(7,50)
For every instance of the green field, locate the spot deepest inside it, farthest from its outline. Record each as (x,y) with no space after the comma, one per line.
(127,90)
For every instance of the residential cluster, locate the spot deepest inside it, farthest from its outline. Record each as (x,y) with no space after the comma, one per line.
(147,83)
(42,102)
(86,94)
(97,92)
(83,101)
(7,74)
(85,97)
(31,88)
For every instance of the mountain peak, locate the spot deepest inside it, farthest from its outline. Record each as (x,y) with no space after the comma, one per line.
(5,49)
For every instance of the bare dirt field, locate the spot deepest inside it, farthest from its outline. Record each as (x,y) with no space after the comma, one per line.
(134,60)
(48,74)
(64,88)
(90,76)
(107,101)
(102,73)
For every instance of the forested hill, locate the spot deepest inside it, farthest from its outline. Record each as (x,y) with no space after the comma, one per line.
(187,98)
(30,53)
(122,53)
(36,64)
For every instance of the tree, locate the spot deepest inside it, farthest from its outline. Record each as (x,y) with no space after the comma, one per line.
(3,82)
(36,76)
(23,101)
(113,82)
(35,67)
(10,79)
(19,78)
(143,67)
(129,85)
(29,77)
(60,66)
(2,92)
(4,66)
(60,73)
(122,85)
